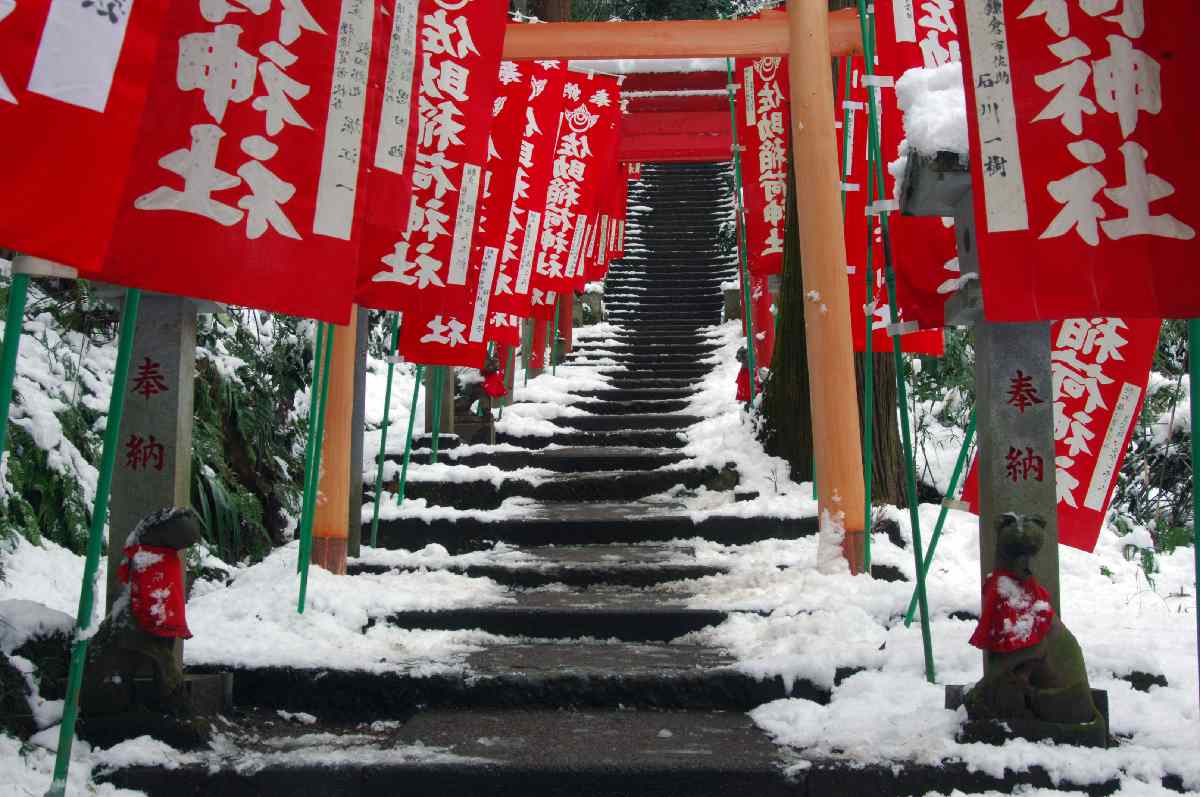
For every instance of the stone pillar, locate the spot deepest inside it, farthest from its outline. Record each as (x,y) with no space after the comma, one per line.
(1014,405)
(447,400)
(357,432)
(154,464)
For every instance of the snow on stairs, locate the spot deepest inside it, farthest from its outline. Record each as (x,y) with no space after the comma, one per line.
(590,685)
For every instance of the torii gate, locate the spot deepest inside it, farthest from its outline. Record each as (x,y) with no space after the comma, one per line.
(809,35)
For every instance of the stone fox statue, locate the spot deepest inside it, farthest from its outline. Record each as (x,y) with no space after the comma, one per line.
(133,681)
(1035,668)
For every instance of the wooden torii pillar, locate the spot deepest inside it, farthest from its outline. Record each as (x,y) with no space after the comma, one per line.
(809,35)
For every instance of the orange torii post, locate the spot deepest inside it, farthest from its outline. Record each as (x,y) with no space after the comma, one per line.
(810,36)
(331,515)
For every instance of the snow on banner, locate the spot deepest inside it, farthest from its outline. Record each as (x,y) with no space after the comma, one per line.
(1100,369)
(73,83)
(856,184)
(516,133)
(249,152)
(425,187)
(762,119)
(1086,191)
(925,250)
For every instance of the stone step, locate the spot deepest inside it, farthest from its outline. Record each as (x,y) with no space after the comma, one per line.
(547,753)
(647,347)
(607,423)
(559,460)
(581,567)
(700,318)
(484,753)
(628,614)
(587,524)
(566,487)
(643,394)
(620,439)
(665,357)
(608,406)
(571,674)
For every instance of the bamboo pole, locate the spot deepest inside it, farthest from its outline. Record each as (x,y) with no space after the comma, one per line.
(677,39)
(408,441)
(823,258)
(87,590)
(332,510)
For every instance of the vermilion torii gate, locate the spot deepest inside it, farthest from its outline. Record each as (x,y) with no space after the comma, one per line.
(810,36)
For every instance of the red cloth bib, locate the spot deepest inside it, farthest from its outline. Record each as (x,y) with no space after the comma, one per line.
(156,594)
(493,385)
(1016,614)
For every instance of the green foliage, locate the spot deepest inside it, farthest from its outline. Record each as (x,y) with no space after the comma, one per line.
(45,504)
(603,10)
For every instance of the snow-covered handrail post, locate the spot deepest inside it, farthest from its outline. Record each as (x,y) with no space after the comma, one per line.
(87,591)
(743,243)
(877,183)
(823,258)
(387,412)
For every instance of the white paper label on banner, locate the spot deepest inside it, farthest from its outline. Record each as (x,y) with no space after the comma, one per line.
(483,296)
(398,90)
(577,245)
(464,225)
(533,228)
(1114,443)
(749,98)
(337,189)
(77,56)
(906,20)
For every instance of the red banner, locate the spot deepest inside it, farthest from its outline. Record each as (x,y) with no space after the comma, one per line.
(586,136)
(762,132)
(1086,190)
(426,184)
(1101,368)
(856,184)
(73,83)
(511,298)
(243,187)
(924,248)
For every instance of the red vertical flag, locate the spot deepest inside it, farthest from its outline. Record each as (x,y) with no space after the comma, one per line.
(73,83)
(586,129)
(542,84)
(762,131)
(248,156)
(1087,194)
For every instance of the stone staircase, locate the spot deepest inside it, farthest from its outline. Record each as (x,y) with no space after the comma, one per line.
(589,690)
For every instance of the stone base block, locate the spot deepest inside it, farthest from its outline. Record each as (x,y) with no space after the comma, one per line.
(998,732)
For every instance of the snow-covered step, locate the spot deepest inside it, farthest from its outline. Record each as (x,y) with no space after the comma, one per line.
(668,439)
(484,753)
(559,460)
(576,566)
(629,522)
(612,423)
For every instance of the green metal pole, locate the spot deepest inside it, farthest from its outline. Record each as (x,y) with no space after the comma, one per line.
(527,345)
(87,591)
(315,478)
(1194,389)
(510,378)
(876,163)
(959,465)
(554,337)
(408,441)
(439,387)
(310,446)
(18,295)
(747,312)
(387,413)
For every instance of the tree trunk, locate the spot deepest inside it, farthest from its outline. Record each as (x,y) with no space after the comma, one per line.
(786,403)
(551,10)
(887,471)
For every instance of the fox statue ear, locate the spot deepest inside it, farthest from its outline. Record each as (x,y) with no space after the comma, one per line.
(1038,520)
